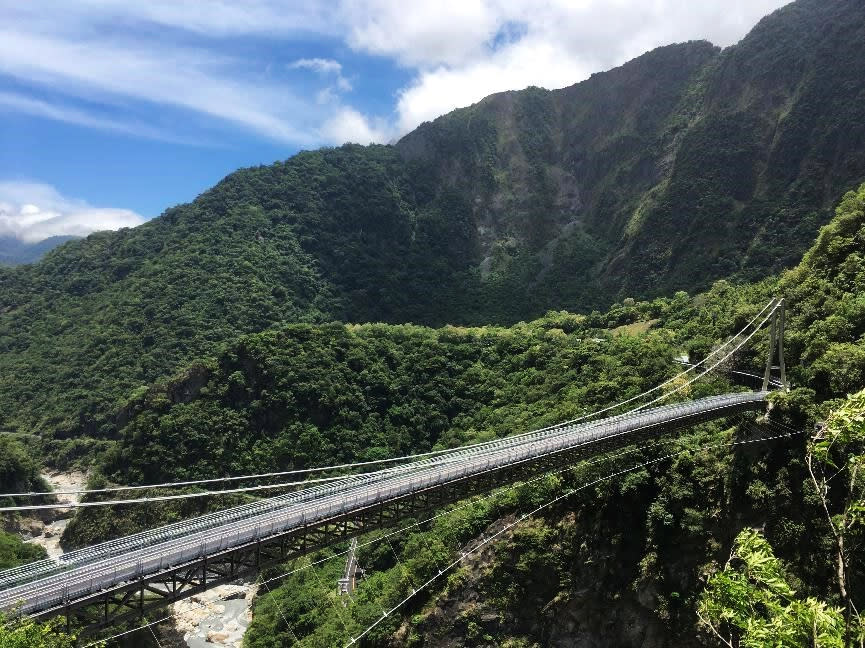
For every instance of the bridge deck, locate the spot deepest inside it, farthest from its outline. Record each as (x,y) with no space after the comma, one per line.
(143,559)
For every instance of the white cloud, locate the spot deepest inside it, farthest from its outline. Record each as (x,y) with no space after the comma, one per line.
(324,68)
(440,90)
(18,103)
(423,32)
(33,211)
(219,18)
(183,77)
(464,50)
(349,125)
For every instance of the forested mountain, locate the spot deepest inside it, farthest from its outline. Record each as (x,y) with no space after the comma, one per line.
(513,263)
(635,551)
(14,251)
(302,395)
(685,165)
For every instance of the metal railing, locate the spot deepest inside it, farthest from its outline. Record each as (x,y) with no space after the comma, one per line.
(48,584)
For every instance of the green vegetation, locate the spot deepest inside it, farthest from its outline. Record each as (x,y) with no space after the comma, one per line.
(14,552)
(557,570)
(228,337)
(827,295)
(322,393)
(304,395)
(550,576)
(28,634)
(19,471)
(751,602)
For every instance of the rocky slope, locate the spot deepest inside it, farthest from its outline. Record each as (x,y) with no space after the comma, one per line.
(682,166)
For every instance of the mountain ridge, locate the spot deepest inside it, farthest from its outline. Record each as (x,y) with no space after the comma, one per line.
(13,251)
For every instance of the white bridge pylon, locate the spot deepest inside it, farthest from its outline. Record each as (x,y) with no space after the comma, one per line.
(776,343)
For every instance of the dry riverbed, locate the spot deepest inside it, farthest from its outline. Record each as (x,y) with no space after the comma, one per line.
(47,529)
(217,617)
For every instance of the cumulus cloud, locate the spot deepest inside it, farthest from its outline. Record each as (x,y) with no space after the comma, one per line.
(349,125)
(442,89)
(462,51)
(33,211)
(424,32)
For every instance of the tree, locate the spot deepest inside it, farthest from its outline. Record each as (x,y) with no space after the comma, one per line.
(751,603)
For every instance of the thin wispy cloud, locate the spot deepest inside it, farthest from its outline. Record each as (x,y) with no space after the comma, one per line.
(218,18)
(192,79)
(329,70)
(324,67)
(14,102)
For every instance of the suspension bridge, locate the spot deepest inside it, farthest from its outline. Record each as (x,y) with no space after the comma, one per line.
(124,579)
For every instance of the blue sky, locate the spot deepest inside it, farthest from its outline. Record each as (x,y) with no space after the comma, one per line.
(113,110)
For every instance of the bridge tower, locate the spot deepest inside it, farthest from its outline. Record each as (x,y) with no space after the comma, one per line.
(776,342)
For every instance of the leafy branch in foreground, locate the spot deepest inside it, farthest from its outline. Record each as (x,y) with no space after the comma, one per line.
(836,464)
(751,604)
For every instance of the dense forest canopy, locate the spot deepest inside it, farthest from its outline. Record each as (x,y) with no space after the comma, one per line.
(670,525)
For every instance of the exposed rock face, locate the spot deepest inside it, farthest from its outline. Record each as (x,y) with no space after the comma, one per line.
(684,165)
